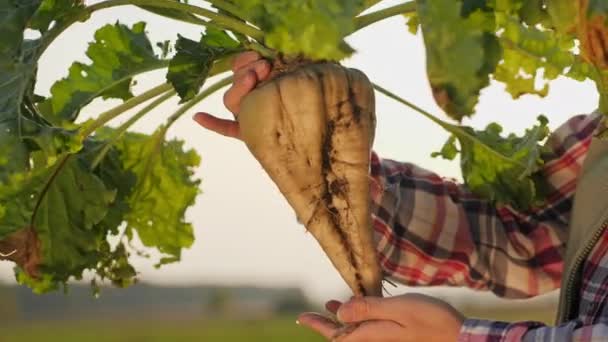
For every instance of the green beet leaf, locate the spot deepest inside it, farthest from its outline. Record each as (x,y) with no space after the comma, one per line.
(16,63)
(54,11)
(14,16)
(54,212)
(500,169)
(190,67)
(66,220)
(14,153)
(527,52)
(314,28)
(461,53)
(15,76)
(164,190)
(412,22)
(21,129)
(113,265)
(118,54)
(534,12)
(67,211)
(563,14)
(63,205)
(112,173)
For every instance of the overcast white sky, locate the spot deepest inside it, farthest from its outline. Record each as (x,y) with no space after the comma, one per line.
(246,233)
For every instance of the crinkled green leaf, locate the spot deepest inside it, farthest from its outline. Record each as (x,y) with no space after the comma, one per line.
(70,211)
(448,151)
(113,174)
(521,43)
(215,38)
(117,54)
(55,211)
(63,205)
(43,284)
(116,267)
(15,77)
(22,130)
(412,22)
(14,16)
(190,67)
(460,53)
(13,153)
(165,188)
(52,209)
(17,74)
(54,11)
(534,12)
(16,63)
(66,221)
(314,28)
(527,52)
(113,264)
(563,14)
(500,169)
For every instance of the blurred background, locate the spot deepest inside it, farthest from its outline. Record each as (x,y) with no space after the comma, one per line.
(253,267)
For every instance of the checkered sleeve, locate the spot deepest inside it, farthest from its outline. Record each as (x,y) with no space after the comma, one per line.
(433,231)
(488,331)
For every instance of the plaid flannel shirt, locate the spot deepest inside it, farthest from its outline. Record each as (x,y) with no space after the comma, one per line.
(433,231)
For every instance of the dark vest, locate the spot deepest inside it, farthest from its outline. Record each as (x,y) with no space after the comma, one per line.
(588,221)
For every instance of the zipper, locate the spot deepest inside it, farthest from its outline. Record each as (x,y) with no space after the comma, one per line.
(573,275)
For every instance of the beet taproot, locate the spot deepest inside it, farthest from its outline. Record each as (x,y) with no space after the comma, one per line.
(312,130)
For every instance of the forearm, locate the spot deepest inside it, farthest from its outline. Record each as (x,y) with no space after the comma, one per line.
(432,231)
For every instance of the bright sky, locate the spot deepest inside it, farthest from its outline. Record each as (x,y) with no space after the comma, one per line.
(246,233)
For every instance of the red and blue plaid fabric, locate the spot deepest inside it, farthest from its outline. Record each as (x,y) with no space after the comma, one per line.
(433,231)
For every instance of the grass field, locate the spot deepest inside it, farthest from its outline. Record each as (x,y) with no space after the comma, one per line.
(200,331)
(157,331)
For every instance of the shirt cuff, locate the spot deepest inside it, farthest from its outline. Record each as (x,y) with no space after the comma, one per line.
(477,330)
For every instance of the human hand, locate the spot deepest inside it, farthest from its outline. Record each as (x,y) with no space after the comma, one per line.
(249,69)
(410,317)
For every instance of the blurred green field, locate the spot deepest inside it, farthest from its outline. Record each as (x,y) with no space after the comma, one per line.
(262,330)
(157,331)
(200,331)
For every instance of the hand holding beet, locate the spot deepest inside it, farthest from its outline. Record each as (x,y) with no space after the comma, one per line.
(405,318)
(311,126)
(249,69)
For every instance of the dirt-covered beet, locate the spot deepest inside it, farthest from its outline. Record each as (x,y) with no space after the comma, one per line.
(312,130)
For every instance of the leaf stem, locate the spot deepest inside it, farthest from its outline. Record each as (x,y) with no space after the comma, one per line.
(368,4)
(370,18)
(125,126)
(105,117)
(221,20)
(401,100)
(261,49)
(198,98)
(158,65)
(454,129)
(248,44)
(228,7)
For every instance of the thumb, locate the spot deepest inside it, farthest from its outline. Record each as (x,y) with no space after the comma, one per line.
(366,308)
(229,128)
